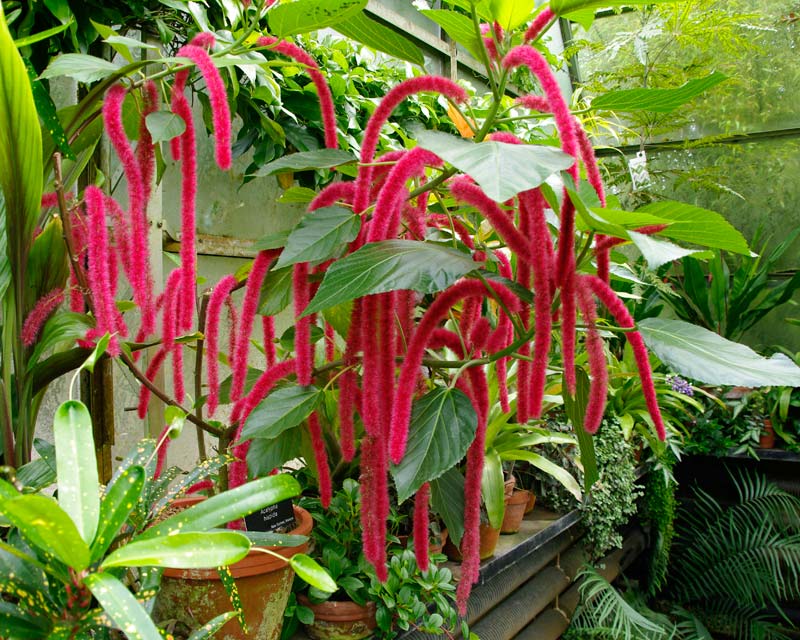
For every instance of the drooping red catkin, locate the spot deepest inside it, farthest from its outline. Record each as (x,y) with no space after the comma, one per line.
(539,23)
(568,322)
(261,390)
(488,41)
(421,518)
(323,90)
(442,221)
(347,400)
(121,235)
(616,307)
(330,343)
(597,361)
(404,390)
(372,538)
(390,101)
(168,320)
(218,296)
(534,103)
(145,152)
(161,452)
(198,487)
(233,325)
(152,370)
(49,200)
(246,318)
(320,459)
(302,328)
(479,334)
(41,311)
(142,282)
(332,194)
(268,331)
(178,387)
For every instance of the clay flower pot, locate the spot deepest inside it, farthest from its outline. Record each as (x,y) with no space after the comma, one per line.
(515,511)
(487,544)
(195,596)
(767,438)
(531,502)
(339,620)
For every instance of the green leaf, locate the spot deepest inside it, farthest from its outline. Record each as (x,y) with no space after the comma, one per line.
(42,35)
(194,550)
(175,417)
(76,467)
(696,225)
(502,170)
(19,625)
(459,27)
(561,7)
(81,67)
(575,408)
(320,235)
(510,13)
(447,499)
(229,584)
(276,292)
(46,109)
(272,241)
(308,570)
(282,409)
(118,503)
(201,470)
(97,353)
(264,454)
(658,252)
(555,471)
(164,125)
(304,16)
(27,582)
(658,100)
(122,607)
(700,354)
(20,153)
(227,507)
(296,195)
(443,424)
(306,160)
(376,36)
(212,626)
(492,489)
(391,265)
(47,527)
(39,473)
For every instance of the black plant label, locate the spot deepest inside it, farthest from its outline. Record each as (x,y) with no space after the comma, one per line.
(275,517)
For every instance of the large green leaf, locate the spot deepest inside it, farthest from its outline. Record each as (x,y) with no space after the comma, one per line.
(282,409)
(309,571)
(391,265)
(193,550)
(39,473)
(81,67)
(557,472)
(492,488)
(447,499)
(659,100)
(320,235)
(303,16)
(575,408)
(164,125)
(503,170)
(122,607)
(201,470)
(696,225)
(76,467)
(63,327)
(703,355)
(20,625)
(305,160)
(47,527)
(26,581)
(442,427)
(509,13)
(376,36)
(459,27)
(657,252)
(227,507)
(560,7)
(264,454)
(118,502)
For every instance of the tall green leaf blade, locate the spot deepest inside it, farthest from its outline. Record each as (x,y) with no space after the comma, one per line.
(561,7)
(304,16)
(76,467)
(47,527)
(503,170)
(229,584)
(227,507)
(443,424)
(376,36)
(40,473)
(282,409)
(557,472)
(194,550)
(305,160)
(26,581)
(459,27)
(492,488)
(119,501)
(447,499)
(391,265)
(122,607)
(19,625)
(212,626)
(320,235)
(700,354)
(658,100)
(575,408)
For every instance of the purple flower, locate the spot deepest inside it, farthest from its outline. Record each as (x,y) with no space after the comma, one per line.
(680,385)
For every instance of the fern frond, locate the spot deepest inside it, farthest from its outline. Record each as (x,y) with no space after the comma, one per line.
(688,626)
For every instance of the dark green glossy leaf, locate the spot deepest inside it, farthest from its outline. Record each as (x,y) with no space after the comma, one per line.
(282,409)
(46,109)
(26,582)
(64,326)
(502,170)
(39,473)
(305,160)
(443,424)
(122,607)
(264,454)
(194,550)
(118,502)
(20,625)
(320,235)
(164,126)
(76,467)
(391,265)
(447,499)
(81,67)
(272,241)
(304,16)
(376,36)
(659,100)
(276,292)
(200,471)
(47,527)
(459,27)
(229,584)
(492,488)
(97,353)
(309,571)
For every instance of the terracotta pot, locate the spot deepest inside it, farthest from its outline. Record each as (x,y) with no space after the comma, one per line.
(339,620)
(515,511)
(436,545)
(767,438)
(195,596)
(531,502)
(487,544)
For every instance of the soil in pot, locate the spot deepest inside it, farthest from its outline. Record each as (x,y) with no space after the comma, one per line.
(193,597)
(339,620)
(515,511)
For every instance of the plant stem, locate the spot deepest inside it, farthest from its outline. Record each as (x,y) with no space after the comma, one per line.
(198,371)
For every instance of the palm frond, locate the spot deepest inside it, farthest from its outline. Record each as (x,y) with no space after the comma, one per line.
(688,626)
